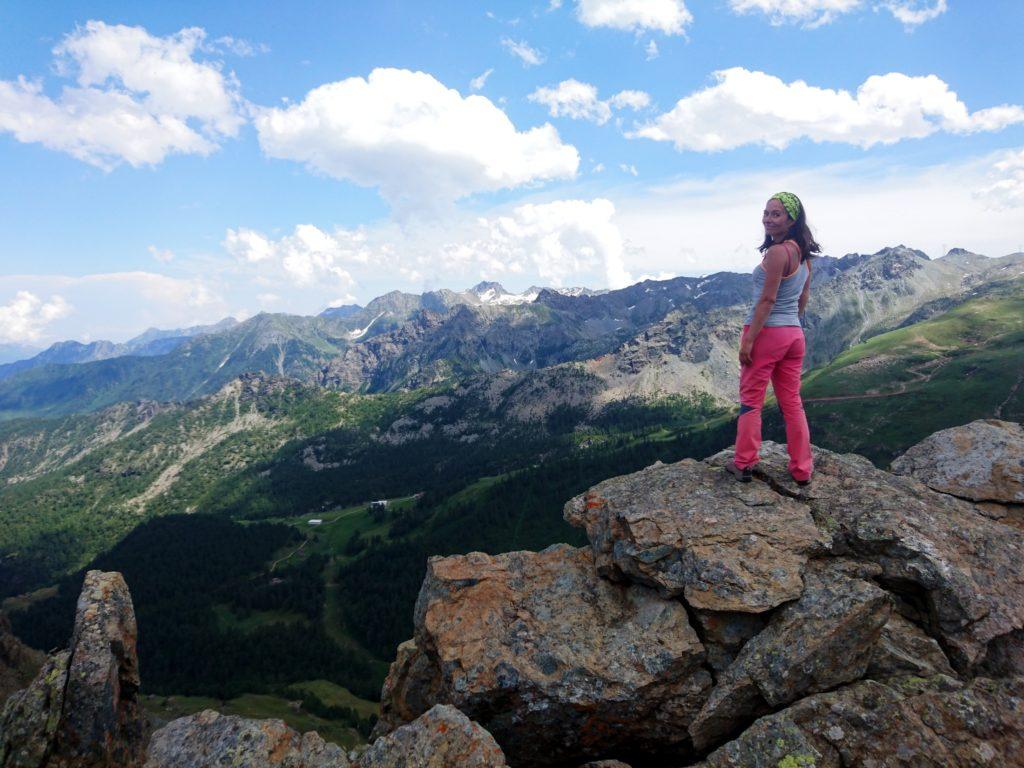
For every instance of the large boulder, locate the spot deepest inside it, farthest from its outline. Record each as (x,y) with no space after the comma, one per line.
(691,531)
(83,707)
(439,738)
(209,739)
(822,640)
(910,723)
(955,572)
(980,461)
(556,662)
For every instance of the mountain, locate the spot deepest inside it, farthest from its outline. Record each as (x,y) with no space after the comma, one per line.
(150,343)
(402,341)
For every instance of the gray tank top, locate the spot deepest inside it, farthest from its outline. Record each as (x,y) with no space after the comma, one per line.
(785,310)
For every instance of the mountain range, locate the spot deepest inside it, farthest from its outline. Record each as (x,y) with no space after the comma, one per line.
(404,341)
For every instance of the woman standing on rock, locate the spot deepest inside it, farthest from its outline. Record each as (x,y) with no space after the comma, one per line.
(772,345)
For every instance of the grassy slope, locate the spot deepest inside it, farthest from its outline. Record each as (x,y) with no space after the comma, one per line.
(884,395)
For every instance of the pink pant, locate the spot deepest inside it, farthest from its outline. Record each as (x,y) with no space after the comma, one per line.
(777,356)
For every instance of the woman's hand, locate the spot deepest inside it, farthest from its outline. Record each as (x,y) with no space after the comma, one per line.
(746,348)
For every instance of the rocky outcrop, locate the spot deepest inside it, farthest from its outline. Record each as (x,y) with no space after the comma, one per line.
(83,707)
(910,723)
(863,620)
(823,639)
(212,739)
(556,662)
(442,736)
(686,531)
(982,461)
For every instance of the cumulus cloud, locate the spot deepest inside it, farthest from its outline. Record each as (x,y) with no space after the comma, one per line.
(1005,184)
(239,46)
(816,13)
(478,82)
(522,50)
(307,256)
(651,50)
(745,107)
(416,140)
(629,168)
(137,98)
(26,316)
(559,242)
(668,16)
(571,98)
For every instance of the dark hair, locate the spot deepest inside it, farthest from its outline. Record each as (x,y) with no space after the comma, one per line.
(801,233)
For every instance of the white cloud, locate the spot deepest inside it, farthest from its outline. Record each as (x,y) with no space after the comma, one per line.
(629,168)
(164,257)
(554,5)
(138,98)
(745,107)
(419,142)
(635,100)
(307,256)
(651,50)
(913,14)
(597,168)
(571,98)
(239,47)
(480,80)
(522,50)
(816,13)
(1004,187)
(810,13)
(25,317)
(559,242)
(668,16)
(115,305)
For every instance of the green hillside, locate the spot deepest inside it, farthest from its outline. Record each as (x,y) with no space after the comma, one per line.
(880,397)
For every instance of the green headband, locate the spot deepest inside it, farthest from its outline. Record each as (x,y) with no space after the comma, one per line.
(790,202)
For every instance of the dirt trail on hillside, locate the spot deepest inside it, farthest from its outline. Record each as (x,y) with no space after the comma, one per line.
(917,371)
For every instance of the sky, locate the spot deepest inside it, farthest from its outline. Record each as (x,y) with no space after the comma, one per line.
(171,164)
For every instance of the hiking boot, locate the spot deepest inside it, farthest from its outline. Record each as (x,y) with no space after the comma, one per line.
(743,475)
(802,483)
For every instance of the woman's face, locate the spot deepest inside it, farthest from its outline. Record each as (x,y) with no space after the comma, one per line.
(775,219)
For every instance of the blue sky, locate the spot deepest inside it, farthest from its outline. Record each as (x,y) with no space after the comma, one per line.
(170,164)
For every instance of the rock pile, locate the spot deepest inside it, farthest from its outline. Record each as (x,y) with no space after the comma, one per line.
(865,620)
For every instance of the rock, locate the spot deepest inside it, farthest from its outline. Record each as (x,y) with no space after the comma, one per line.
(956,572)
(30,718)
(725,633)
(411,688)
(690,530)
(83,708)
(904,649)
(18,663)
(920,723)
(102,719)
(441,737)
(980,461)
(822,640)
(557,663)
(210,739)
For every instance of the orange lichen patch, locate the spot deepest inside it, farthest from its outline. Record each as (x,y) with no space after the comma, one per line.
(442,727)
(279,738)
(595,501)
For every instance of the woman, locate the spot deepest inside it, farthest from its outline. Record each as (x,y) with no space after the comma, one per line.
(772,344)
